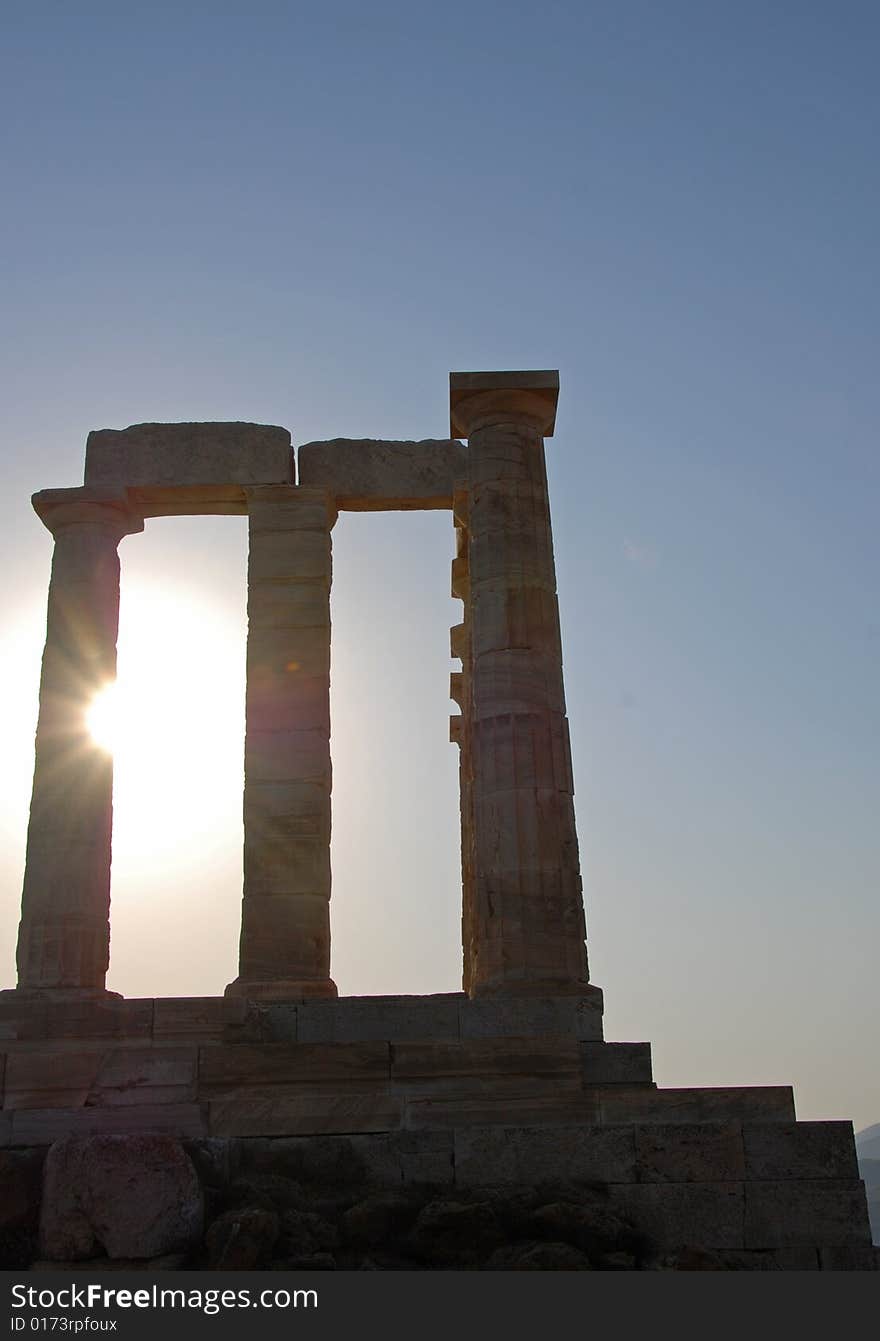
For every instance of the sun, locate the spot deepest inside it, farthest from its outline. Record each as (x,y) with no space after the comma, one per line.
(105,718)
(174,722)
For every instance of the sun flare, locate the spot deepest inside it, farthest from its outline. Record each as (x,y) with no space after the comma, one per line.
(174,722)
(104,716)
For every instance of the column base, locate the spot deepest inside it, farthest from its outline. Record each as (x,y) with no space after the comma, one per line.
(59,994)
(283,989)
(545,987)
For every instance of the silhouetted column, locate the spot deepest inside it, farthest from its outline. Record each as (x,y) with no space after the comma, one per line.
(285,923)
(527,923)
(64,936)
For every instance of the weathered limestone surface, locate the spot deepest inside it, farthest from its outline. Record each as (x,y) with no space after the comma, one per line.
(830,1211)
(285,931)
(369,475)
(523,923)
(189,468)
(133,1196)
(64,936)
(103,1077)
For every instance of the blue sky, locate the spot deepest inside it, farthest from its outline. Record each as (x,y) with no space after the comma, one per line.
(308,218)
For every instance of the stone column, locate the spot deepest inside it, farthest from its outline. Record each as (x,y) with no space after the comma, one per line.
(64,936)
(460,732)
(285,922)
(527,922)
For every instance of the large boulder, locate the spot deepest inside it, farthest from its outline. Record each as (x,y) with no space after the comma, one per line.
(132,1196)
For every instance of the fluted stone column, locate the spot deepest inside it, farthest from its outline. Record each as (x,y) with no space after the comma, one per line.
(64,936)
(527,923)
(285,925)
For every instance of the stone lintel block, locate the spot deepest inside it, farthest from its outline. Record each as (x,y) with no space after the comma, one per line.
(293,1115)
(190,500)
(286,756)
(188,455)
(35,1126)
(290,556)
(307,1065)
(761,1103)
(828,1212)
(500,1109)
(800,1150)
(528,1155)
(122,1075)
(392,1018)
(458,641)
(472,393)
(676,1215)
(690,1152)
(370,475)
(456,729)
(616,1063)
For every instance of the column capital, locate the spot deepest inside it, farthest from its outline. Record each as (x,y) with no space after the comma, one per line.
(89,506)
(477,399)
(301,509)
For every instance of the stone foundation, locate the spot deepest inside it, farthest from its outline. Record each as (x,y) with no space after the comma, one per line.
(513,1114)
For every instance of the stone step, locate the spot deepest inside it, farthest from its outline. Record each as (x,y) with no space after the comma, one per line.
(451,1016)
(643,1103)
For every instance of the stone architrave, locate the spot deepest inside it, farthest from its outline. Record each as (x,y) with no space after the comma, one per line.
(64,935)
(285,927)
(526,926)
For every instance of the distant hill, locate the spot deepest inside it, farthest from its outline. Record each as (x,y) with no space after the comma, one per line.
(868,1142)
(868,1147)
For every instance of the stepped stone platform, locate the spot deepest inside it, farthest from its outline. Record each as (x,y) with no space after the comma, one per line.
(443,1092)
(280,1125)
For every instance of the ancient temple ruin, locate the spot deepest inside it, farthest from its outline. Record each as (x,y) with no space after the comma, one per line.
(509,1082)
